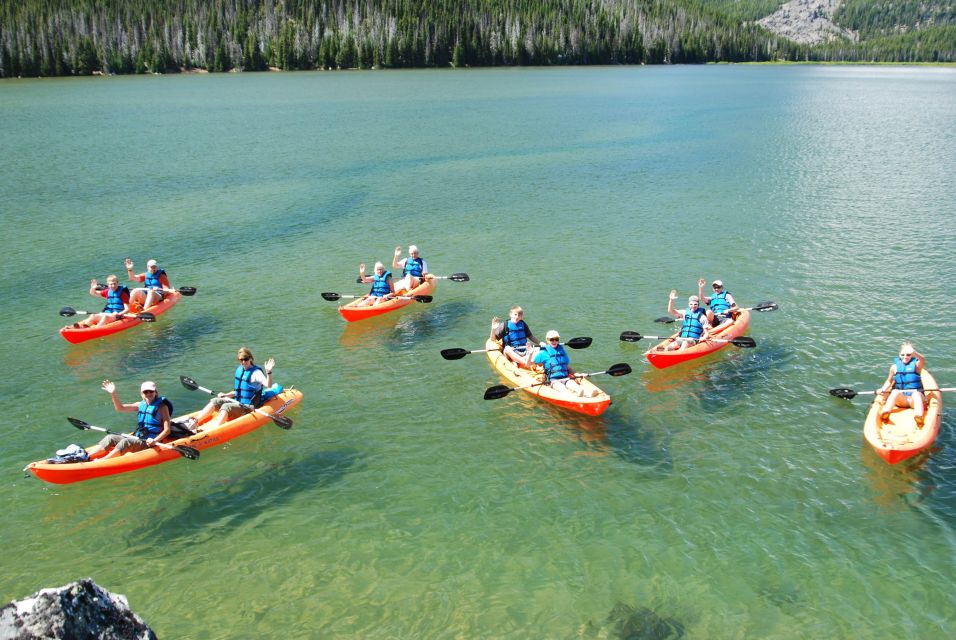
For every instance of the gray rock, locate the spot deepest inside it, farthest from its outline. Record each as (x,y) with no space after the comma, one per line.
(78,611)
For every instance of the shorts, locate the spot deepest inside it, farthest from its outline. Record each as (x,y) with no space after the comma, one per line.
(231,406)
(720,318)
(122,443)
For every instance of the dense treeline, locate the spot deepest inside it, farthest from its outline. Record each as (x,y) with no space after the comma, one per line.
(66,37)
(875,18)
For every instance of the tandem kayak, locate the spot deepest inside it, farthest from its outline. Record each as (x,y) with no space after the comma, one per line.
(661,358)
(352,312)
(519,377)
(76,335)
(79,471)
(900,438)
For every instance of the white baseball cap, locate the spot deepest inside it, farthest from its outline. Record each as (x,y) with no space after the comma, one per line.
(717,283)
(552,334)
(149,385)
(150,263)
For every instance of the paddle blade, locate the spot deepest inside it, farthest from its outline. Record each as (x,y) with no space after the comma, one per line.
(745,342)
(331,297)
(459,277)
(619,369)
(79,424)
(497,391)
(282,421)
(66,312)
(423,298)
(146,317)
(579,343)
(665,319)
(187,291)
(359,280)
(101,287)
(189,383)
(846,394)
(187,452)
(766,306)
(454,354)
(630,336)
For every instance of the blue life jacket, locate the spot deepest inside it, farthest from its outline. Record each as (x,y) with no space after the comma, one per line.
(246,391)
(719,304)
(114,300)
(413,266)
(148,423)
(515,335)
(556,366)
(906,376)
(271,392)
(152,280)
(380,284)
(693,326)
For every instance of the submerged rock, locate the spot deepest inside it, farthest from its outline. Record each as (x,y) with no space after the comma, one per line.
(78,611)
(641,623)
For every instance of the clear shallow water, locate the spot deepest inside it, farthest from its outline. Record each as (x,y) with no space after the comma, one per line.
(733,497)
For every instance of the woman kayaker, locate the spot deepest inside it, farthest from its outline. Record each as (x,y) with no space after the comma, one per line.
(155,280)
(152,421)
(722,304)
(904,384)
(249,382)
(413,269)
(695,327)
(556,363)
(382,286)
(117,302)
(516,338)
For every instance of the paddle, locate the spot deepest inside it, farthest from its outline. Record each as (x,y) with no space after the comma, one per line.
(849,394)
(500,391)
(186,452)
(760,307)
(745,341)
(186,291)
(67,312)
(455,277)
(281,421)
(332,297)
(458,354)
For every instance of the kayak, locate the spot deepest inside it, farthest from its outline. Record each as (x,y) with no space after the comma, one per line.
(662,359)
(519,377)
(900,438)
(79,471)
(352,312)
(82,334)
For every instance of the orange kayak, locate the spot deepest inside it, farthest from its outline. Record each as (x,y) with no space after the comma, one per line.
(352,312)
(79,471)
(82,334)
(900,438)
(661,358)
(519,377)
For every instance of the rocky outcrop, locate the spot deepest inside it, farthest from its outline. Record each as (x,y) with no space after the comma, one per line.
(78,611)
(807,22)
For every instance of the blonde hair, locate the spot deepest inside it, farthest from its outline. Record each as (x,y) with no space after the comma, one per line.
(379,264)
(111,278)
(517,308)
(244,353)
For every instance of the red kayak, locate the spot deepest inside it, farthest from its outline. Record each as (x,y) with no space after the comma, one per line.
(352,312)
(661,358)
(82,334)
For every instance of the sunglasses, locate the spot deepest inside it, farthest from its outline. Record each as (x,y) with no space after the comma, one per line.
(906,355)
(149,391)
(245,359)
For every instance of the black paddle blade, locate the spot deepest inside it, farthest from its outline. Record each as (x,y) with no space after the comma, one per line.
(423,298)
(665,319)
(459,277)
(359,280)
(79,424)
(187,452)
(282,421)
(189,383)
(331,297)
(454,354)
(619,369)
(497,391)
(188,291)
(766,306)
(67,312)
(630,336)
(745,342)
(579,343)
(146,317)
(846,394)
(100,287)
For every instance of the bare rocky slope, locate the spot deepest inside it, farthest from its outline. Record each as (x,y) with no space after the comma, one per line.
(807,22)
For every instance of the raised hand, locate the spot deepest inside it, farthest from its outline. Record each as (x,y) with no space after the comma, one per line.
(109,387)
(129,264)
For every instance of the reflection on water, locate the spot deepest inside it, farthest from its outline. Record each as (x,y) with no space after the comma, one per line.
(414,328)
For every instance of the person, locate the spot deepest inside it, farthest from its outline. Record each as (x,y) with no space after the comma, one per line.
(382,286)
(722,304)
(152,421)
(905,384)
(249,382)
(156,284)
(413,269)
(695,327)
(516,338)
(117,302)
(557,366)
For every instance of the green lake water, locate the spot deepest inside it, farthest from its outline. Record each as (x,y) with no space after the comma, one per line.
(732,497)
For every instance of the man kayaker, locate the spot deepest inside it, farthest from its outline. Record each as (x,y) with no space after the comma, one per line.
(413,269)
(722,304)
(155,280)
(117,302)
(249,382)
(152,421)
(516,338)
(695,327)
(382,286)
(906,384)
(556,363)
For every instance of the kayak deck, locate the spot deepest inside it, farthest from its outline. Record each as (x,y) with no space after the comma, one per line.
(661,358)
(518,377)
(76,335)
(352,312)
(900,438)
(79,471)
